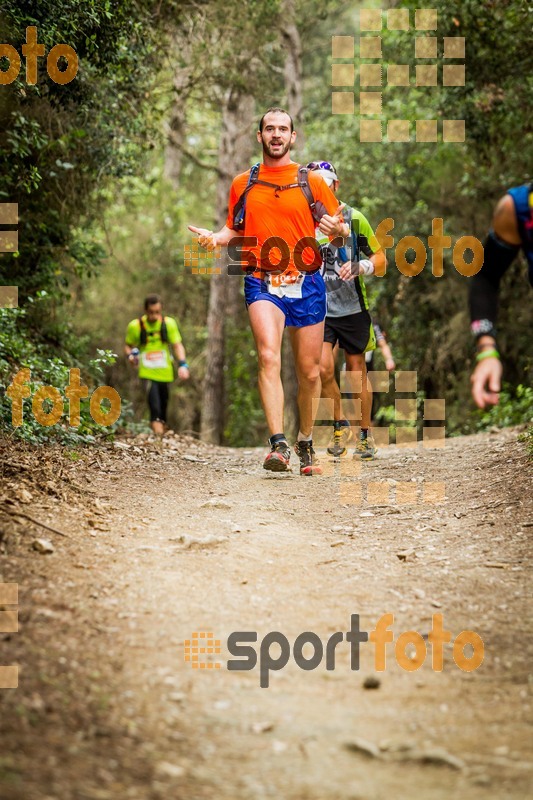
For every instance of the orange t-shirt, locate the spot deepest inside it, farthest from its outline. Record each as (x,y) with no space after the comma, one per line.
(285,215)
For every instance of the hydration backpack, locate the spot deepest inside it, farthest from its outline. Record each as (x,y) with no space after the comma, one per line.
(316,207)
(163,332)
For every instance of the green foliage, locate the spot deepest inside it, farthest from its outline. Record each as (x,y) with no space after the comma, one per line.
(246,420)
(426,318)
(49,366)
(99,225)
(60,144)
(386,417)
(515,408)
(61,148)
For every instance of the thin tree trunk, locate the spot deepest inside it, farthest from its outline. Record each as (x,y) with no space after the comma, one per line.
(176,126)
(293,88)
(236,147)
(293,69)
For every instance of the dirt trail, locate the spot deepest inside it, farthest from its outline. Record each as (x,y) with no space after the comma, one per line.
(198,539)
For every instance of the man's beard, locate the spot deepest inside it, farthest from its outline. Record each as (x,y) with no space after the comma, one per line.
(278,153)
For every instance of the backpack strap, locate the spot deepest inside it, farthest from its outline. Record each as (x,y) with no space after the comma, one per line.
(143,335)
(350,251)
(317,208)
(240,206)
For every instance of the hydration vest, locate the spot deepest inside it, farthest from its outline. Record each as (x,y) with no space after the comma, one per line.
(162,332)
(316,207)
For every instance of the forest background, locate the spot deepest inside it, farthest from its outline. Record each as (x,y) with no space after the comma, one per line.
(109,169)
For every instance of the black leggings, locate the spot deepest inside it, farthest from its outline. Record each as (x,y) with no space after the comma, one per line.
(157,394)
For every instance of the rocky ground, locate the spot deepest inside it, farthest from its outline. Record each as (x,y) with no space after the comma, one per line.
(144,547)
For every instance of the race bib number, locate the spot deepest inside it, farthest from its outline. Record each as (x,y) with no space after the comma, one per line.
(285,285)
(155,359)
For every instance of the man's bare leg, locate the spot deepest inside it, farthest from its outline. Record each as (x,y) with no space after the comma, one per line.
(268,322)
(307,348)
(356,363)
(330,387)
(342,431)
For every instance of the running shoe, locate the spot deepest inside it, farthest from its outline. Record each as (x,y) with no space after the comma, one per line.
(278,460)
(365,449)
(308,461)
(341,437)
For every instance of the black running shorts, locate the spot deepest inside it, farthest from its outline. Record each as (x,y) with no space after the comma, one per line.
(354,333)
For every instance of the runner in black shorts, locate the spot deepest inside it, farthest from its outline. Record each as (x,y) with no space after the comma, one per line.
(348,321)
(351,332)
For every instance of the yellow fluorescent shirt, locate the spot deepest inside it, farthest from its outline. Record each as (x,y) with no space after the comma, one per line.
(155,362)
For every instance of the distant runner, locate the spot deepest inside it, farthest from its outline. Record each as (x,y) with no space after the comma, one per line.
(512,228)
(348,321)
(150,342)
(279,199)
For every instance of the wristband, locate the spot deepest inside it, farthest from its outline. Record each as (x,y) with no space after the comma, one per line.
(493,353)
(368,266)
(482,327)
(183,364)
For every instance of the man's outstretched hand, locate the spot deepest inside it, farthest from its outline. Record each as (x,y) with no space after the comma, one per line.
(206,238)
(486,382)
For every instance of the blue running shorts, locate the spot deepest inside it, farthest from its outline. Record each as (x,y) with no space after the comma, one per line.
(299,312)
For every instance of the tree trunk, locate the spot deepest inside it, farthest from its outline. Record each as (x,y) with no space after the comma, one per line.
(236,147)
(293,88)
(293,69)
(176,126)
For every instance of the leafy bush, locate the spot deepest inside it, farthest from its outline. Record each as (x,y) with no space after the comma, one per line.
(49,366)
(515,407)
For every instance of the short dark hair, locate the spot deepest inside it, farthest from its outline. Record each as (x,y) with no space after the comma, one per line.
(151,300)
(274,110)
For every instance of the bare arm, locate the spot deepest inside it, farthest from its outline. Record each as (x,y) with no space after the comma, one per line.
(210,240)
(504,221)
(133,360)
(380,263)
(387,354)
(350,270)
(179,352)
(483,301)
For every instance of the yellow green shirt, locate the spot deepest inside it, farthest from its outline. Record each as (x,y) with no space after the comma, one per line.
(155,359)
